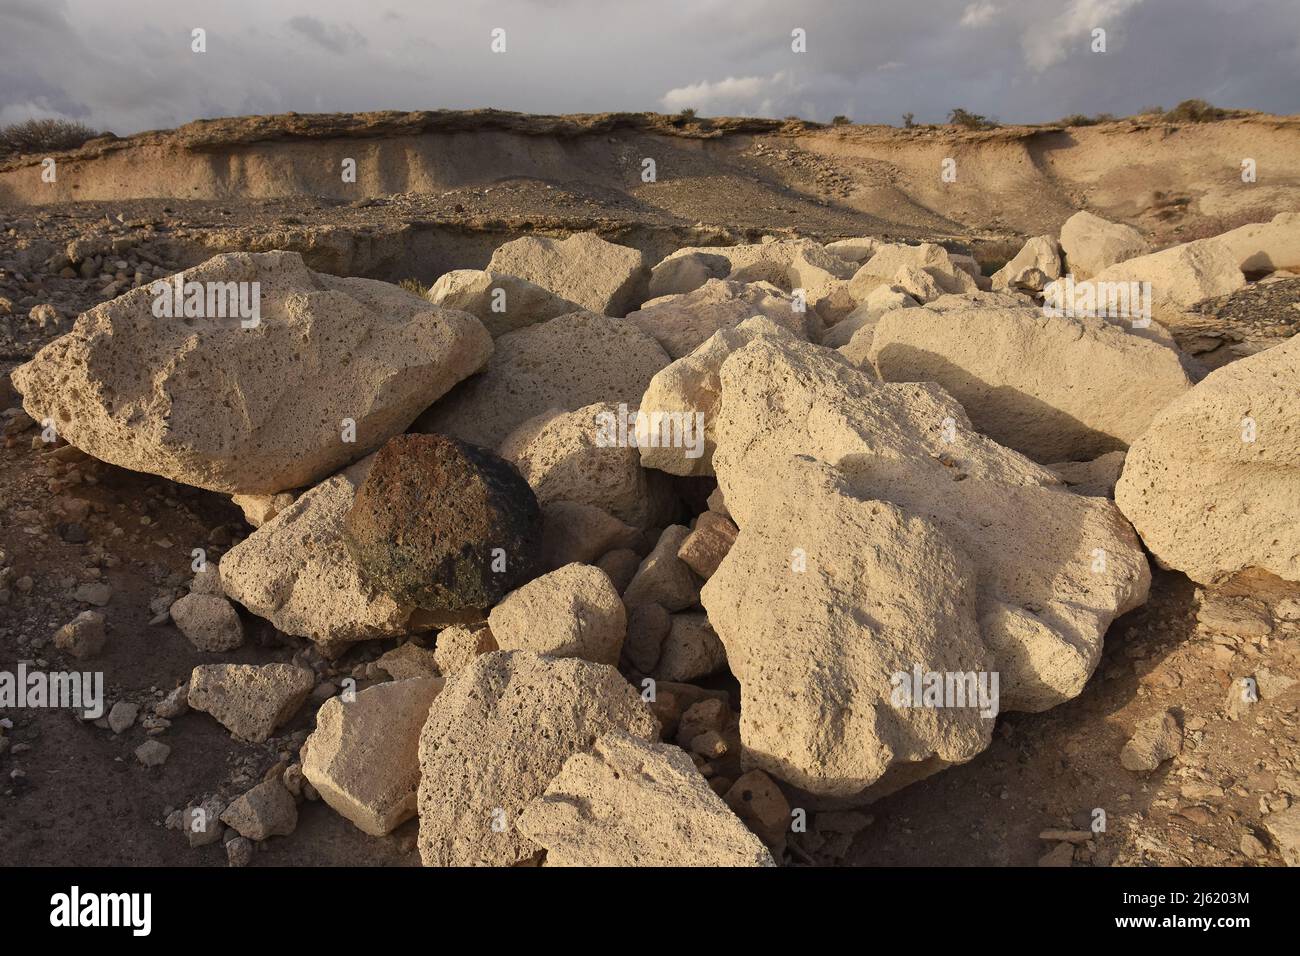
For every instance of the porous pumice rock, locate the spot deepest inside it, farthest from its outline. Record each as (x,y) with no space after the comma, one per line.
(690,650)
(250,700)
(458,646)
(1180,277)
(581,456)
(497,734)
(443,525)
(1037,263)
(501,302)
(708,543)
(632,802)
(362,758)
(408,661)
(607,278)
(210,622)
(265,811)
(680,323)
(1096,477)
(1213,485)
(927,257)
(663,578)
(296,572)
(251,410)
(873,544)
(567,363)
(571,612)
(1052,387)
(1092,244)
(676,414)
(881,299)
(1266,246)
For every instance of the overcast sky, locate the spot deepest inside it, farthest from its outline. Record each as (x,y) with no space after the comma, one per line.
(128,65)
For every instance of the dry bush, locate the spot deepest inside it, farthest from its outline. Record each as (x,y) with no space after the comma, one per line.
(43,136)
(968,120)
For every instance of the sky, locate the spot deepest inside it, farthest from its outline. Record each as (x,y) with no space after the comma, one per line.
(129,65)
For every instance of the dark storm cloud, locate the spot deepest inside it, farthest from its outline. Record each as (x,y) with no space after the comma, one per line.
(1018,60)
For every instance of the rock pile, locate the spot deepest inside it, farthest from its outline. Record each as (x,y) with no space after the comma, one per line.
(675,556)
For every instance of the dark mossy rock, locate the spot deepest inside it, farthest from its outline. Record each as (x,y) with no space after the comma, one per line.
(444,525)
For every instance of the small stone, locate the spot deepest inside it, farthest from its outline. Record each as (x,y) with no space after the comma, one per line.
(265,811)
(1154,741)
(408,661)
(706,546)
(250,700)
(98,594)
(210,623)
(761,805)
(647,626)
(239,851)
(122,716)
(174,704)
(1252,847)
(1238,617)
(83,636)
(153,753)
(1060,855)
(1284,828)
(457,647)
(202,824)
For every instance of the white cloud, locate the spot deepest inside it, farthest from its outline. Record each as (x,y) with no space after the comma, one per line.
(979,13)
(734,95)
(1049,44)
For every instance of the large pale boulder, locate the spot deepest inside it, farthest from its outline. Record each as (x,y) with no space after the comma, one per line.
(1266,246)
(296,572)
(445,526)
(878,513)
(501,302)
(929,258)
(1091,244)
(680,323)
(607,278)
(682,398)
(1037,263)
(572,612)
(632,802)
(1054,388)
(251,410)
(585,456)
(1213,486)
(498,733)
(567,363)
(362,757)
(881,299)
(1180,277)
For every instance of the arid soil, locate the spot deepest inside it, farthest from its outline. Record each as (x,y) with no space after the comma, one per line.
(440,192)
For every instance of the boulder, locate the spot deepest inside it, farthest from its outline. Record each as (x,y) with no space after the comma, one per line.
(250,700)
(567,363)
(572,612)
(1266,246)
(1092,244)
(608,279)
(408,661)
(1053,388)
(1036,264)
(1180,277)
(928,257)
(211,623)
(257,410)
(708,543)
(681,400)
(689,651)
(586,456)
(296,572)
(458,646)
(870,546)
(632,802)
(499,732)
(1213,485)
(857,250)
(680,323)
(362,757)
(663,578)
(881,299)
(501,302)
(1096,478)
(445,526)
